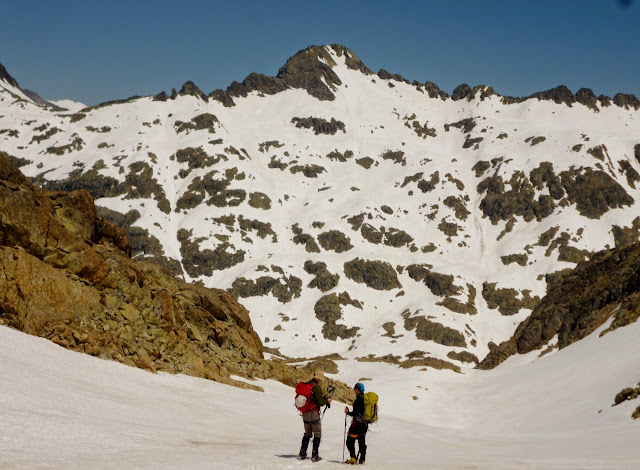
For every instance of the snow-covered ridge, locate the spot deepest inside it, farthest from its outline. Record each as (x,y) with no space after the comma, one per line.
(389,220)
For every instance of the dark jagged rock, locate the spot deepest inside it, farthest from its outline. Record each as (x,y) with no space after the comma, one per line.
(623,236)
(396,157)
(4,75)
(319,125)
(466,125)
(439,284)
(190,89)
(352,61)
(593,192)
(305,70)
(605,101)
(328,310)
(586,97)
(223,97)
(463,356)
(578,302)
(560,94)
(162,96)
(334,240)
(378,275)
(205,121)
(257,82)
(199,262)
(434,91)
(506,300)
(460,92)
(309,69)
(383,74)
(482,92)
(432,331)
(626,101)
(284,288)
(324,280)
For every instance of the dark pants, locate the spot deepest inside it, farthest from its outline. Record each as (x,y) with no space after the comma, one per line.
(357,431)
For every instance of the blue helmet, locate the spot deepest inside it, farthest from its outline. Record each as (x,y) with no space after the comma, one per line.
(359,386)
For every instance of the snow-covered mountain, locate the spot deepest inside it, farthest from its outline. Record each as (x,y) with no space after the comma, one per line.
(352,212)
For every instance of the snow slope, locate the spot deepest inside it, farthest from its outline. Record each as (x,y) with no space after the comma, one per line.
(62,409)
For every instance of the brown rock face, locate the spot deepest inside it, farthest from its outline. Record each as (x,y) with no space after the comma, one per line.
(66,275)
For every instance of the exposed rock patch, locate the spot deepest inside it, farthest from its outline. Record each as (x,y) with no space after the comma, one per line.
(334,240)
(324,280)
(285,288)
(319,125)
(204,121)
(506,299)
(301,238)
(378,275)
(199,262)
(431,331)
(328,310)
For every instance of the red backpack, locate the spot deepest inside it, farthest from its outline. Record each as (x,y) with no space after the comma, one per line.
(304,397)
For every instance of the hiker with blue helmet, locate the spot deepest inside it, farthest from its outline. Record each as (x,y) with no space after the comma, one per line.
(358,428)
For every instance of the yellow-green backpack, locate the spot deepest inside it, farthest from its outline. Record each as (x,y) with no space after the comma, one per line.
(370,407)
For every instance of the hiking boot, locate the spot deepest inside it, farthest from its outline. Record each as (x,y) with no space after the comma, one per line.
(361,460)
(351,461)
(303,448)
(314,453)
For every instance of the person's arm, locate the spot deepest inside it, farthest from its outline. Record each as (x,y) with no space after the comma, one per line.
(358,407)
(318,396)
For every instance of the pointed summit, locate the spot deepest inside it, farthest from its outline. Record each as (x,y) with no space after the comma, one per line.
(4,75)
(310,69)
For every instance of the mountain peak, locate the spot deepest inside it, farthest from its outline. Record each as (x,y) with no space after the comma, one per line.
(310,69)
(4,75)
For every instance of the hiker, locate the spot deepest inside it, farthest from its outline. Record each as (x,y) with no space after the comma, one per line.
(358,428)
(311,417)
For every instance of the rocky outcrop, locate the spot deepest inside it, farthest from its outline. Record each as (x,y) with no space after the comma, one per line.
(460,92)
(434,91)
(578,303)
(66,275)
(310,69)
(319,125)
(383,74)
(4,75)
(190,89)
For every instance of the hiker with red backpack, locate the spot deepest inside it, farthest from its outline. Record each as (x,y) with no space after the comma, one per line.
(309,399)
(362,414)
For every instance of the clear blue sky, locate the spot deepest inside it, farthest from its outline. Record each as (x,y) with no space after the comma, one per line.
(93,51)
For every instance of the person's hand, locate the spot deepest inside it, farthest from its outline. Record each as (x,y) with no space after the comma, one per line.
(329,400)
(346,409)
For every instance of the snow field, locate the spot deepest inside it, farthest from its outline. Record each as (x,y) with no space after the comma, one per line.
(62,409)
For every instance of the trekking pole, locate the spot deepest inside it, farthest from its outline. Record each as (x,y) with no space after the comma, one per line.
(344,438)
